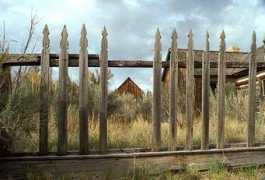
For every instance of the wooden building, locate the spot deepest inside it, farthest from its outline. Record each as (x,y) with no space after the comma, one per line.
(232,74)
(129,86)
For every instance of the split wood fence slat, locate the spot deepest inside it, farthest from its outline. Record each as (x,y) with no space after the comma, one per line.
(44,93)
(83,60)
(252,94)
(156,112)
(205,95)
(62,94)
(103,59)
(221,93)
(83,93)
(189,93)
(173,86)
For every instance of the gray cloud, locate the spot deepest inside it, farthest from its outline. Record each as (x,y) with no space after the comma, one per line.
(132,25)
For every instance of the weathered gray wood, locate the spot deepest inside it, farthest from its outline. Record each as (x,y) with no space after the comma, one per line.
(44,93)
(173,86)
(189,93)
(252,94)
(205,95)
(115,166)
(83,93)
(5,81)
(221,93)
(93,61)
(62,94)
(103,59)
(156,109)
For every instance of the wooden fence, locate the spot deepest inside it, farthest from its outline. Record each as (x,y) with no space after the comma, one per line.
(85,60)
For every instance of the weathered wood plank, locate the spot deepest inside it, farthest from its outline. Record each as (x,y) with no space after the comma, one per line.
(101,166)
(5,81)
(83,93)
(189,93)
(35,59)
(156,108)
(173,87)
(221,93)
(104,92)
(205,95)
(252,94)
(44,93)
(62,94)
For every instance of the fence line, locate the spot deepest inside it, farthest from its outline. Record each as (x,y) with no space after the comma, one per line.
(47,60)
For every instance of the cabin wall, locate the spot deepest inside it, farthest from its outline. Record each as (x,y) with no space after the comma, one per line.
(130,88)
(182,89)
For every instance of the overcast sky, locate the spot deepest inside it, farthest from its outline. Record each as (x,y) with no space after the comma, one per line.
(131,25)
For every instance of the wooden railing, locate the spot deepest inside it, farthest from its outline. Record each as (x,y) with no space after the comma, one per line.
(83,60)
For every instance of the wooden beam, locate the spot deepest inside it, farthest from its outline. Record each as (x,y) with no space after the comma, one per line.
(221,93)
(104,92)
(35,59)
(173,87)
(156,108)
(83,93)
(252,94)
(118,165)
(189,93)
(205,96)
(44,93)
(63,94)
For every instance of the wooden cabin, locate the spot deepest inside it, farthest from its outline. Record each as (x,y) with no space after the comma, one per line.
(232,74)
(129,86)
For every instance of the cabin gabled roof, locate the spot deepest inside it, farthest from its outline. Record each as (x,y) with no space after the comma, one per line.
(129,80)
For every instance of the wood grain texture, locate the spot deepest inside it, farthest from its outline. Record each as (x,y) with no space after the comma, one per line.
(189,93)
(35,59)
(44,93)
(63,94)
(173,87)
(205,95)
(83,93)
(130,87)
(119,165)
(104,92)
(156,108)
(252,94)
(221,93)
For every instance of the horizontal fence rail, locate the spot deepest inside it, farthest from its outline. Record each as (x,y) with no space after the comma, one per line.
(93,61)
(84,60)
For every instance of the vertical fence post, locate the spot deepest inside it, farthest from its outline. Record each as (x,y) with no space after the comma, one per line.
(189,92)
(205,95)
(83,93)
(173,90)
(156,110)
(252,93)
(221,91)
(44,93)
(104,91)
(62,93)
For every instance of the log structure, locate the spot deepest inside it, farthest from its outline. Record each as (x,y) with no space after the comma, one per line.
(130,87)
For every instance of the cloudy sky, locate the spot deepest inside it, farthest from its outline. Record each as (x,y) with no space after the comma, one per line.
(131,25)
